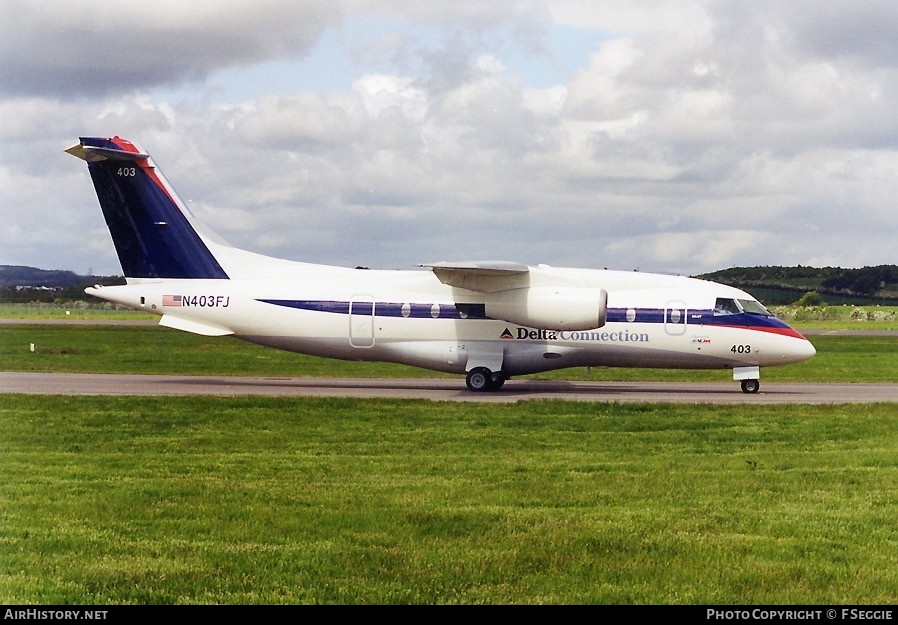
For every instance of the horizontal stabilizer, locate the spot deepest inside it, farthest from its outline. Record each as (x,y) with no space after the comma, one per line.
(194,327)
(94,154)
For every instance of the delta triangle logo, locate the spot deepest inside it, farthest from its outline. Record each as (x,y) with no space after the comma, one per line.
(507,334)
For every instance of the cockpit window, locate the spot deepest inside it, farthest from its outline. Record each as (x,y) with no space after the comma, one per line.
(754,307)
(726,306)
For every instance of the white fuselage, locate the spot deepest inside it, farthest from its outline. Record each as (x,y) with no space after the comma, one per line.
(412,317)
(487,319)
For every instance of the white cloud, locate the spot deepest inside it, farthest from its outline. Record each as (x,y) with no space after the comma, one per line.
(381,92)
(625,16)
(81,47)
(695,135)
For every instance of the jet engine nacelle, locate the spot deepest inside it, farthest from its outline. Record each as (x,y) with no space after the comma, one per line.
(551,308)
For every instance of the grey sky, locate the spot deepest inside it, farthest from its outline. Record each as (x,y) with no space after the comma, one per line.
(662,135)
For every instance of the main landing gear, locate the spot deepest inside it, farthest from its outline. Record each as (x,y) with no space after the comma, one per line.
(482,379)
(750,386)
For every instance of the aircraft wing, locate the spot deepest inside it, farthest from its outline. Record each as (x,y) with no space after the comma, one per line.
(485,276)
(537,297)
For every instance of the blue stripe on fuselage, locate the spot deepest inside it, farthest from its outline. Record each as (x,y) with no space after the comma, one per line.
(387,309)
(476,311)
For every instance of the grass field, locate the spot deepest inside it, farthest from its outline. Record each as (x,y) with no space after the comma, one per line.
(261,500)
(120,500)
(152,349)
(71,310)
(840,317)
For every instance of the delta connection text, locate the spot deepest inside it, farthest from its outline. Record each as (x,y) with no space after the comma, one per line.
(623,336)
(770,614)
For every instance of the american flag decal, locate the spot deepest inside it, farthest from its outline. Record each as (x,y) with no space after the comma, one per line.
(171,300)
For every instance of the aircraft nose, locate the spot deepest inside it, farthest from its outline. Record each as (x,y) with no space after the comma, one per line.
(800,350)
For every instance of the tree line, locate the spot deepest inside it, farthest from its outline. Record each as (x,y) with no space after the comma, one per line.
(865,281)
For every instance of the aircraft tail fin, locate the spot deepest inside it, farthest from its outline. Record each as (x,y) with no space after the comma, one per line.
(154,233)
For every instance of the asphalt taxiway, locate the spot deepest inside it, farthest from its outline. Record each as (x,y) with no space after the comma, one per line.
(444,389)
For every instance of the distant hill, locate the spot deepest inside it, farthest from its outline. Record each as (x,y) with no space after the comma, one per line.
(15,275)
(773,285)
(784,285)
(30,284)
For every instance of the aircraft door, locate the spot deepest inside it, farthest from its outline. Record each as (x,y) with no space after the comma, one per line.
(675,317)
(361,321)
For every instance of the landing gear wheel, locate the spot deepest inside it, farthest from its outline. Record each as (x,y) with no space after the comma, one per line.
(479,379)
(750,386)
(497,379)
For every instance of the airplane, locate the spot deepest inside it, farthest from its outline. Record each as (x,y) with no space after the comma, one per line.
(488,320)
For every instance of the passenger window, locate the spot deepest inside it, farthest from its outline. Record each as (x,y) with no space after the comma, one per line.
(725,306)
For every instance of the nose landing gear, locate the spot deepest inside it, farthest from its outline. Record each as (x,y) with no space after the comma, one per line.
(748,376)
